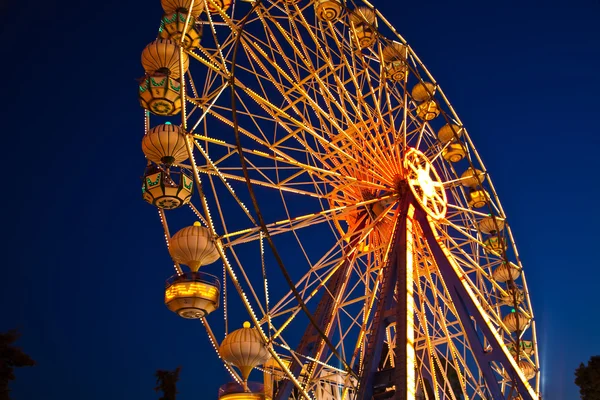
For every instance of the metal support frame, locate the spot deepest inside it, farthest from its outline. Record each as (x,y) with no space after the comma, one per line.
(381,320)
(469,315)
(403,341)
(390,309)
(466,308)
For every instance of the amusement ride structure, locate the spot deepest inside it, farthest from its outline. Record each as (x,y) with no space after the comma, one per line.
(312,178)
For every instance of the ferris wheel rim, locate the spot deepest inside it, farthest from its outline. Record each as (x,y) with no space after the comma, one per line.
(250,184)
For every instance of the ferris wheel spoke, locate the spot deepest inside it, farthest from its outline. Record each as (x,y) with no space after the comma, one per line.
(439,188)
(209,61)
(204,106)
(297,222)
(413,130)
(261,183)
(423,328)
(301,59)
(258,53)
(464,210)
(460,366)
(373,113)
(468,233)
(223,45)
(224,181)
(316,279)
(348,333)
(326,87)
(350,258)
(422,130)
(292,163)
(313,281)
(277,114)
(469,261)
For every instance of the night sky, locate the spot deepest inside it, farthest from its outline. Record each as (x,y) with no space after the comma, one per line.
(84,259)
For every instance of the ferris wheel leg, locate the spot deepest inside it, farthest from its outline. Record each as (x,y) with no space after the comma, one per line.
(473,321)
(381,319)
(397,278)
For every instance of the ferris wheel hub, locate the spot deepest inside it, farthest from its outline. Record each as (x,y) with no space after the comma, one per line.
(425,183)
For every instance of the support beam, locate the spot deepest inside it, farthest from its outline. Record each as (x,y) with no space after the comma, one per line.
(378,326)
(396,303)
(470,314)
(394,280)
(405,314)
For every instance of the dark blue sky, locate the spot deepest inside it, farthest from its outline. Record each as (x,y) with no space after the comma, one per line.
(84,259)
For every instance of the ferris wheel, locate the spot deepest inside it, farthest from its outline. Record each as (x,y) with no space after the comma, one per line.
(313,179)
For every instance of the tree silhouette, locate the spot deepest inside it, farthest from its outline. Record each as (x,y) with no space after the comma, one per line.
(587,377)
(452,377)
(11,357)
(166,382)
(443,371)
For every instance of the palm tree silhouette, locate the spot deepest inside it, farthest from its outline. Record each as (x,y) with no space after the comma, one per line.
(166,382)
(11,357)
